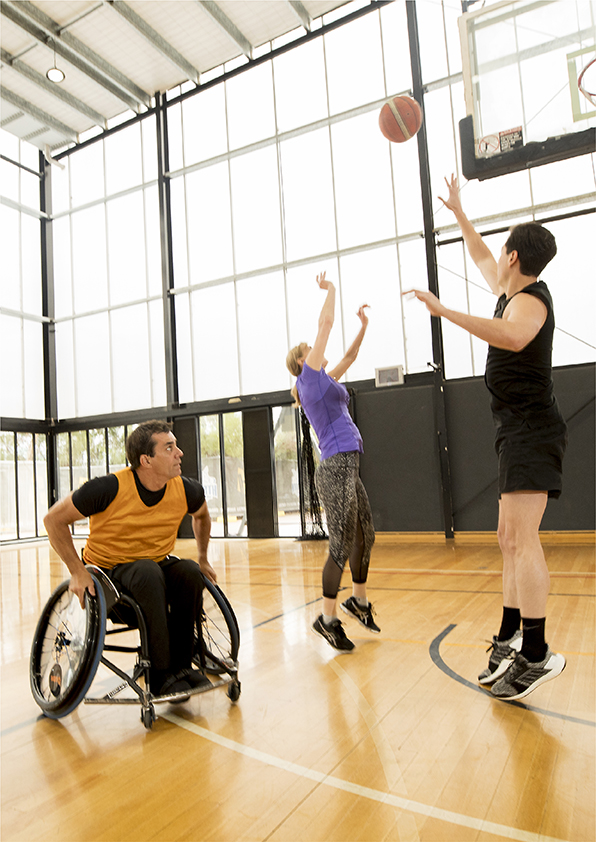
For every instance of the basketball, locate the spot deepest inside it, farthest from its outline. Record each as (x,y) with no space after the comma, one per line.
(400,118)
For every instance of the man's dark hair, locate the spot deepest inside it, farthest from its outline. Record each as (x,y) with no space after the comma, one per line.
(140,441)
(535,247)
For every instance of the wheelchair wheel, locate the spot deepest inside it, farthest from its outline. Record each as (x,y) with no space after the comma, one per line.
(219,630)
(148,716)
(234,690)
(66,649)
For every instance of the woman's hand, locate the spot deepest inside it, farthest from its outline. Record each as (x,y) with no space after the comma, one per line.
(362,315)
(453,202)
(323,282)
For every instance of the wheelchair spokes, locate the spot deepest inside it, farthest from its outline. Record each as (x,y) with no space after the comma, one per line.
(66,651)
(217,649)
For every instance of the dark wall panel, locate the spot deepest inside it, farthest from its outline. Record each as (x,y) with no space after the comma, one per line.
(261,506)
(400,464)
(576,507)
(472,456)
(185,430)
(474,461)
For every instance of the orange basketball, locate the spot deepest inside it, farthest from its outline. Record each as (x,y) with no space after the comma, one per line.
(400,118)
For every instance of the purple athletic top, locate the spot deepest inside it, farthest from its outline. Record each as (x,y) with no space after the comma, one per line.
(325,403)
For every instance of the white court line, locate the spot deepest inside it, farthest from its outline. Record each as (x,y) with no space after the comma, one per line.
(391,768)
(356,789)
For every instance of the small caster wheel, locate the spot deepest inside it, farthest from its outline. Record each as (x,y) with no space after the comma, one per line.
(148,717)
(234,691)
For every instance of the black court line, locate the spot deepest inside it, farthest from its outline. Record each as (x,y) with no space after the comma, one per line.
(285,613)
(17,727)
(463,590)
(375,588)
(440,663)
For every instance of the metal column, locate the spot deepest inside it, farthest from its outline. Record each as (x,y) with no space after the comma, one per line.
(431,262)
(167,262)
(48,327)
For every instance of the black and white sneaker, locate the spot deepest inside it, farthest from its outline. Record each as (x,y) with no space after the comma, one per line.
(333,633)
(364,615)
(523,676)
(502,656)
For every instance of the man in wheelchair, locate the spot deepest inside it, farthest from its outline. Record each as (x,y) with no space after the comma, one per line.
(134,516)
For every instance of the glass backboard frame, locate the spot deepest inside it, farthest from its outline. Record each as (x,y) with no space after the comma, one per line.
(523,106)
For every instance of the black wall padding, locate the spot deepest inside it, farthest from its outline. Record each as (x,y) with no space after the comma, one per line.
(261,509)
(185,432)
(472,455)
(400,463)
(576,507)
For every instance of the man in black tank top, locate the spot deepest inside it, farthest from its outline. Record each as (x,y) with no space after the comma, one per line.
(530,441)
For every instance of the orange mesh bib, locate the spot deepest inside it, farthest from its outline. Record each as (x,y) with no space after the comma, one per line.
(129,530)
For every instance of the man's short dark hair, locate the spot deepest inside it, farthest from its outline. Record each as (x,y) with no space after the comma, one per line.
(140,441)
(535,247)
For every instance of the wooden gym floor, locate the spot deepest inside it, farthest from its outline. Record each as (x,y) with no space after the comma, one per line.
(394,741)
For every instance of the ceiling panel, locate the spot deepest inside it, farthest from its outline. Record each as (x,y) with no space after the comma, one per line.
(117,55)
(191,31)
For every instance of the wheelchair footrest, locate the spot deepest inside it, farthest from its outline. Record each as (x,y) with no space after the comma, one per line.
(111,697)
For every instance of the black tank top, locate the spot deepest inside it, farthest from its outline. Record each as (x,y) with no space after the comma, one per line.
(521,383)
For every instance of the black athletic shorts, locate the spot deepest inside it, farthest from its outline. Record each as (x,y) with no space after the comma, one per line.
(531,456)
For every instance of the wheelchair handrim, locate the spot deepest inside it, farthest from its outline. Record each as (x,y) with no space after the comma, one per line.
(43,650)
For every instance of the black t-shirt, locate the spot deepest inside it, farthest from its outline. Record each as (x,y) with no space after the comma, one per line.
(521,383)
(97,494)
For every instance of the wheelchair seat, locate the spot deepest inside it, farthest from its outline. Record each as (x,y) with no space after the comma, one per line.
(70,643)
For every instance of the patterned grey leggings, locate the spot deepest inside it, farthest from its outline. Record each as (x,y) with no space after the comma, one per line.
(349,519)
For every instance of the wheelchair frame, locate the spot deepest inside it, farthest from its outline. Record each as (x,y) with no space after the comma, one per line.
(69,644)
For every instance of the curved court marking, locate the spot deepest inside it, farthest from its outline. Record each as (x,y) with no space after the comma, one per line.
(361,791)
(440,663)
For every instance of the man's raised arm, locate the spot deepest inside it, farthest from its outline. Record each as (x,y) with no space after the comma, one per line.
(477,248)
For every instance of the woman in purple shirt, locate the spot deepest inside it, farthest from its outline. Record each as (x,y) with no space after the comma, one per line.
(338,483)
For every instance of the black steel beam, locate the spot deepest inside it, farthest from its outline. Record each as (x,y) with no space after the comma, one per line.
(49,327)
(438,364)
(167,262)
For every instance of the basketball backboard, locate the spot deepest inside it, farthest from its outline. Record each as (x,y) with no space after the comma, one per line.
(521,62)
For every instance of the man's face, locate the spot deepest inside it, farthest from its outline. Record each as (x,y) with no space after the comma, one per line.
(503,264)
(166,456)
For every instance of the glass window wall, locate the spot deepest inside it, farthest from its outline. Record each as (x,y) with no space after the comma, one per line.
(287,480)
(211,472)
(108,276)
(8,487)
(22,390)
(234,470)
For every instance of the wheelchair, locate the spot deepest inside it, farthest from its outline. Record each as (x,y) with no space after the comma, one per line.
(70,642)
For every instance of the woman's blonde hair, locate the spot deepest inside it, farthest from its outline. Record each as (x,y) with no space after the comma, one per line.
(294,367)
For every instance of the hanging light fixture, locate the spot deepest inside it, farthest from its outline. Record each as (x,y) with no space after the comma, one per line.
(54,74)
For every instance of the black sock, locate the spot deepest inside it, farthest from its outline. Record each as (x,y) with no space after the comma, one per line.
(534,645)
(510,623)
